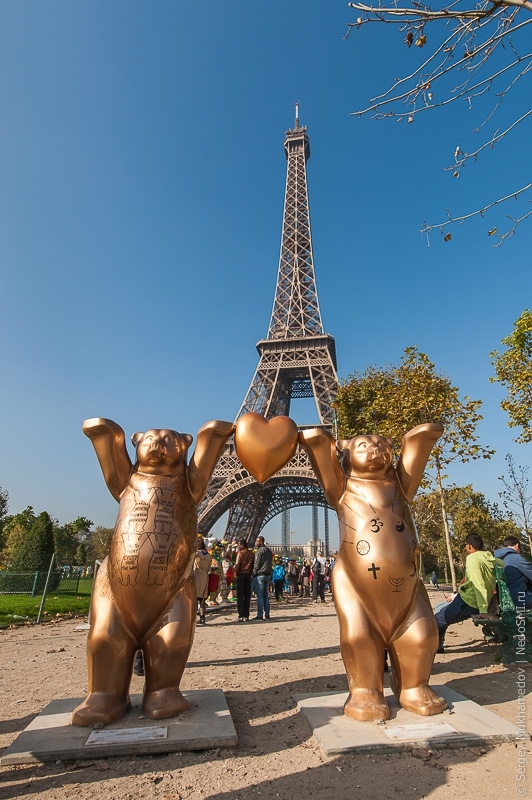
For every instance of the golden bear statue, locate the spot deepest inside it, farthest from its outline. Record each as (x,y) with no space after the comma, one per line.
(144,596)
(380,598)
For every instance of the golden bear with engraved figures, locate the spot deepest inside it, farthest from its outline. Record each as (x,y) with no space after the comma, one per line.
(144,596)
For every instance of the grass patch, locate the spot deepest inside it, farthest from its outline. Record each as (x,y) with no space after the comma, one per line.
(56,604)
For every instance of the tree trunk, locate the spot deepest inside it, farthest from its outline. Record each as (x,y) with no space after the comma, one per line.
(446,526)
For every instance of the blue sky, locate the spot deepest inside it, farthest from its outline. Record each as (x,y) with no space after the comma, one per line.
(141,190)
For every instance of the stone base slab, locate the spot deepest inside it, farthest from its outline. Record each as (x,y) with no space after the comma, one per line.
(464,723)
(51,737)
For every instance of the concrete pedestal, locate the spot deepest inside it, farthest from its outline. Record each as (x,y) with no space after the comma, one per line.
(50,736)
(465,723)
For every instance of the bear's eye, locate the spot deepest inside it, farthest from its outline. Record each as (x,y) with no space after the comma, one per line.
(363,444)
(148,438)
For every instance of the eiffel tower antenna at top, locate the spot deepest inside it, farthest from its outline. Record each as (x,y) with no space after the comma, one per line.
(296,104)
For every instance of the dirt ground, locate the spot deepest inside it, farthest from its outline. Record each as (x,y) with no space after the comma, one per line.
(260,665)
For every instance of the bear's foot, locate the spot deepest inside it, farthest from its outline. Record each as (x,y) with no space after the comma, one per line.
(422,700)
(164,703)
(365,705)
(100,708)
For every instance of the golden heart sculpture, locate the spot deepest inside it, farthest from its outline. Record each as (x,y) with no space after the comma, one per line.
(264,446)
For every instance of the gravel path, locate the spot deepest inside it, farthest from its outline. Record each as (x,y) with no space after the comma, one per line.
(259,665)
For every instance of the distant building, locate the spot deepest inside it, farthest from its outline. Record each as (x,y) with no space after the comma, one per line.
(307,550)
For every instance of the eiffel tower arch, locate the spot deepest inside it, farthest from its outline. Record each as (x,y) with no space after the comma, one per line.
(296,360)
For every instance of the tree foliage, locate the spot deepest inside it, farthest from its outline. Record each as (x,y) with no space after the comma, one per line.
(513,370)
(391,400)
(99,544)
(517,498)
(427,514)
(35,543)
(16,528)
(68,537)
(30,539)
(471,512)
(468,512)
(4,498)
(476,54)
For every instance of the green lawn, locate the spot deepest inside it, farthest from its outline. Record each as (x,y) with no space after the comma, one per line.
(56,604)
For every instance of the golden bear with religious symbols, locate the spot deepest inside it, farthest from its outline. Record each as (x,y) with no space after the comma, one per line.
(379,595)
(144,595)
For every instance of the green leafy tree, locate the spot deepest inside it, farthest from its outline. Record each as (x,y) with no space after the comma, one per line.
(4,497)
(99,544)
(517,499)
(393,399)
(467,512)
(68,537)
(16,529)
(80,557)
(513,370)
(427,514)
(471,512)
(36,547)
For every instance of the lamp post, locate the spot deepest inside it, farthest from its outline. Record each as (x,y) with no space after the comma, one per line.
(333,403)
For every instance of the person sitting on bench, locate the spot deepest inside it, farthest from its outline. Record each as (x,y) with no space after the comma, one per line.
(517,571)
(475,593)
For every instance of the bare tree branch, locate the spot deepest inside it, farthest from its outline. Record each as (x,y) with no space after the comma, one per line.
(428,229)
(461,157)
(477,33)
(422,15)
(426,78)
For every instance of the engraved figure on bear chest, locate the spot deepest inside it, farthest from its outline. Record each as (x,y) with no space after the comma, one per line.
(148,528)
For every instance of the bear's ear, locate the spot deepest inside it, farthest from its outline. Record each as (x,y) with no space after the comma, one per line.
(184,440)
(342,444)
(136,439)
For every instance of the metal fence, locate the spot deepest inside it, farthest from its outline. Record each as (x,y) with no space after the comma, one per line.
(33,583)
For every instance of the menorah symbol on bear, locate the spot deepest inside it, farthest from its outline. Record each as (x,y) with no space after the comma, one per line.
(397,582)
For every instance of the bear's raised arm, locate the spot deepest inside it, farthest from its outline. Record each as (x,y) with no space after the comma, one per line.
(415,452)
(321,449)
(210,442)
(109,442)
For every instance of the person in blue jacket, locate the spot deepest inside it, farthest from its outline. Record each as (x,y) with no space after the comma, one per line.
(517,571)
(278,576)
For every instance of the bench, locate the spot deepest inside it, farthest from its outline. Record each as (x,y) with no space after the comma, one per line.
(512,629)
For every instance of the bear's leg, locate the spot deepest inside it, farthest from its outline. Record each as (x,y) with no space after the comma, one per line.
(110,653)
(412,654)
(362,650)
(165,656)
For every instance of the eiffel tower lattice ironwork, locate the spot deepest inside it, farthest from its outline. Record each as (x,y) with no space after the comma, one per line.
(297,360)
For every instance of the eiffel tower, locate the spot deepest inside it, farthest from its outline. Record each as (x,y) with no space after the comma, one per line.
(297,360)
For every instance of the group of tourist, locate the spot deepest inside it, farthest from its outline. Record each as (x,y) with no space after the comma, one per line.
(258,572)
